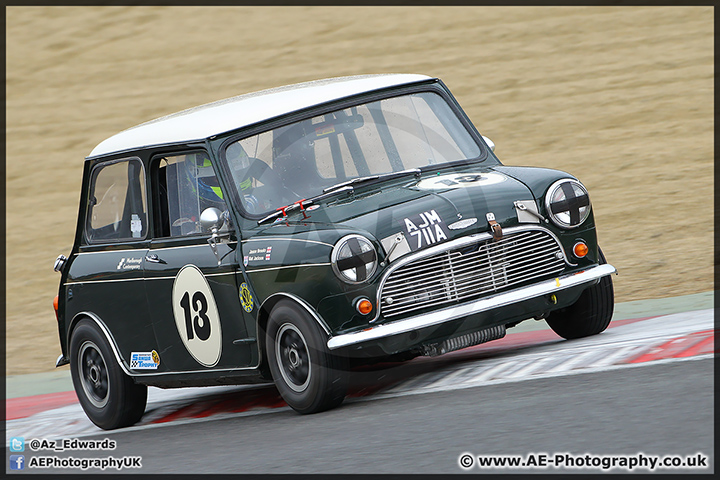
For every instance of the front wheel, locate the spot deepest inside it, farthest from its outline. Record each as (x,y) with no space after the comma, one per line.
(591,313)
(109,397)
(308,376)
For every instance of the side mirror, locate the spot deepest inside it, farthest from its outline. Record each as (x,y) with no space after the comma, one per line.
(489,142)
(211,220)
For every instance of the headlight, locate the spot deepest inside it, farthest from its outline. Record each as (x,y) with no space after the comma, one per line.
(568,203)
(354,259)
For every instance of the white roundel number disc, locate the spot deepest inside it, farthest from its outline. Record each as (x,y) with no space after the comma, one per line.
(460,180)
(196,315)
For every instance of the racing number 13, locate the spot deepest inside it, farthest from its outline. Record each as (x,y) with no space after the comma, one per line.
(192,324)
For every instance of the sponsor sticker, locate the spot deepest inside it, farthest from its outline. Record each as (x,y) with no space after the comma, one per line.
(144,360)
(129,264)
(246,298)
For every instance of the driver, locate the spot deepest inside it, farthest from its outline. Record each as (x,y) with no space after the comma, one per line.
(199,190)
(239,163)
(203,181)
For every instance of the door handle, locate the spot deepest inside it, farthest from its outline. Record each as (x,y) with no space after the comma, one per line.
(152,257)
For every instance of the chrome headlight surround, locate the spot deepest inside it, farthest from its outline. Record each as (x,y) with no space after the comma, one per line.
(354,259)
(567,203)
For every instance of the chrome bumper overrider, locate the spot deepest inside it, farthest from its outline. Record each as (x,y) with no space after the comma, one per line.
(61,361)
(481,305)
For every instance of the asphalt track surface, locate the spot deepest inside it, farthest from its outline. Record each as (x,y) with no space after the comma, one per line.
(643,386)
(615,412)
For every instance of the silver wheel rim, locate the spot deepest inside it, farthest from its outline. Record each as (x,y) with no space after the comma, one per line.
(293,357)
(92,370)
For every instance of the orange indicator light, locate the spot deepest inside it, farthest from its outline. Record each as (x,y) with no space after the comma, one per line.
(580,249)
(55,306)
(364,306)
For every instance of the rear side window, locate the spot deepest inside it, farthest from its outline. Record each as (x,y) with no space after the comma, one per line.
(117,205)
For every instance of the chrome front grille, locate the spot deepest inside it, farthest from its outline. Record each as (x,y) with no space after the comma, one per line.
(472,271)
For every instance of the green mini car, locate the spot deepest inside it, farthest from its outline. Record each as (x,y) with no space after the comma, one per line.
(292,234)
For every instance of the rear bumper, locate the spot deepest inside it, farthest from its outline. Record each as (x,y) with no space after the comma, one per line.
(449,314)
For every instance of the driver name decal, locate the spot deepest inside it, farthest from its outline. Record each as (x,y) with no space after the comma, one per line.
(424,229)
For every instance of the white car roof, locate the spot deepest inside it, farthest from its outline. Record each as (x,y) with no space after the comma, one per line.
(201,122)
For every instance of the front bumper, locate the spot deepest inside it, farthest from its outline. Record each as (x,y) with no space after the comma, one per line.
(449,314)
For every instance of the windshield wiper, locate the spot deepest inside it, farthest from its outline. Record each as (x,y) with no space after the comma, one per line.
(301,204)
(347,186)
(370,178)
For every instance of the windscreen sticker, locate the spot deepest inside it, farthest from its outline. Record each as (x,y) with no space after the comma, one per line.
(144,360)
(196,315)
(324,130)
(425,229)
(136,225)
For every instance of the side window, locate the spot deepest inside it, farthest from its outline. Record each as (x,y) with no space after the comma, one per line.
(187,185)
(117,202)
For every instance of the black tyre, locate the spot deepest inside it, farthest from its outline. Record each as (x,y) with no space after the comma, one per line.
(308,376)
(109,397)
(590,315)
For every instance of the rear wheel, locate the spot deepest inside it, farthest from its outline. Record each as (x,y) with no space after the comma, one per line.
(591,313)
(308,376)
(109,397)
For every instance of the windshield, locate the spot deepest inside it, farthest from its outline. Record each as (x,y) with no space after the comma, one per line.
(298,161)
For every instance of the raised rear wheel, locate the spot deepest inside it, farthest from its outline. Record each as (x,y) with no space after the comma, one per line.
(109,397)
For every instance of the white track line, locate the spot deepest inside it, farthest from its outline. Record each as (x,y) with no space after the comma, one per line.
(594,354)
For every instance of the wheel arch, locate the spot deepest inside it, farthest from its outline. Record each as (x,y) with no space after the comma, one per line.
(105,332)
(264,315)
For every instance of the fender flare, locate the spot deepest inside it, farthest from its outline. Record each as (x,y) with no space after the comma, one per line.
(264,315)
(105,331)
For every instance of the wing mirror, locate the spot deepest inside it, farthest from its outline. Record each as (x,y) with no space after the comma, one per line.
(489,142)
(211,220)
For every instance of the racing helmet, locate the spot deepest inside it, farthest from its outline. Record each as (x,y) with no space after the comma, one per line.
(239,163)
(236,156)
(201,176)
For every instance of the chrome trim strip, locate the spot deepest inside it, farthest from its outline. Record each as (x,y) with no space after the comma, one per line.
(453,244)
(95,252)
(113,346)
(145,278)
(303,304)
(105,281)
(272,239)
(247,269)
(451,313)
